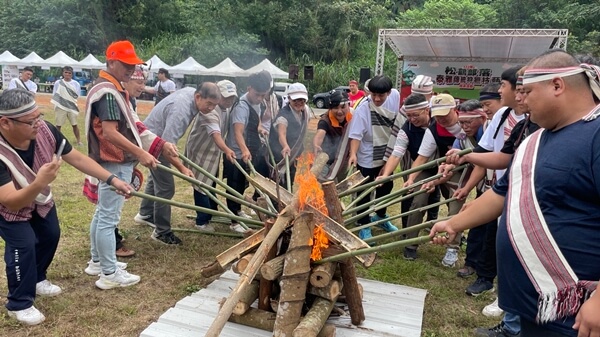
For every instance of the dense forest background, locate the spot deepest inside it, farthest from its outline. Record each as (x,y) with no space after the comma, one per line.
(336,37)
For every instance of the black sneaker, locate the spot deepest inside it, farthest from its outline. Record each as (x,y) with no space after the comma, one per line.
(497,331)
(166,238)
(480,286)
(410,254)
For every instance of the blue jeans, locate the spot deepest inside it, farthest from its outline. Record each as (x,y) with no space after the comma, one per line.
(512,323)
(29,250)
(107,217)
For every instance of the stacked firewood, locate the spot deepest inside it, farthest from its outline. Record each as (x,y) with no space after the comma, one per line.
(294,295)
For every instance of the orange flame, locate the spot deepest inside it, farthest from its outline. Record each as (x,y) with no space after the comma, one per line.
(310,193)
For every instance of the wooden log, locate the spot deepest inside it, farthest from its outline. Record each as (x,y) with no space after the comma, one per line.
(271,270)
(351,181)
(321,275)
(334,208)
(255,318)
(328,330)
(266,286)
(294,280)
(274,304)
(269,240)
(233,253)
(315,318)
(350,289)
(247,298)
(242,264)
(342,298)
(329,292)
(262,202)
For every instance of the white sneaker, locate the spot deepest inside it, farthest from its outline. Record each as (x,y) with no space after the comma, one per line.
(451,257)
(29,316)
(94,268)
(46,288)
(143,220)
(205,228)
(492,310)
(236,227)
(120,278)
(244,215)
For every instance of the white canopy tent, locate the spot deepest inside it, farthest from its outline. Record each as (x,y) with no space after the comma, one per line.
(61,59)
(466,45)
(225,68)
(156,63)
(268,66)
(188,67)
(7,58)
(91,62)
(32,59)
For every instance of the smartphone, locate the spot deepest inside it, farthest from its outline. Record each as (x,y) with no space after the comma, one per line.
(61,148)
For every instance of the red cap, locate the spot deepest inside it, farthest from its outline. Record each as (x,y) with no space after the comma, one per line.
(353,82)
(122,51)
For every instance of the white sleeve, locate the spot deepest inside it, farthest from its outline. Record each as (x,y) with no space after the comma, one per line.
(171,86)
(33,87)
(428,145)
(56,85)
(358,124)
(401,144)
(487,140)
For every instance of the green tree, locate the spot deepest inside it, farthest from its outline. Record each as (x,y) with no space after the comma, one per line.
(449,14)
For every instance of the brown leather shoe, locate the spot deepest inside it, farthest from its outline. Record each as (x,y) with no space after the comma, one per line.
(124,252)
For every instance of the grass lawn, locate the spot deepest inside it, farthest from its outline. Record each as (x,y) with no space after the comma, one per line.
(171,273)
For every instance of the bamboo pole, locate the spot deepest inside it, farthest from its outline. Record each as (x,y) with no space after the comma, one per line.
(260,192)
(425,166)
(401,231)
(204,190)
(400,191)
(195,208)
(233,194)
(421,209)
(288,181)
(187,230)
(376,249)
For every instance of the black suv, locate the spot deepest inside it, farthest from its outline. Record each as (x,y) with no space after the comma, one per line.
(321,100)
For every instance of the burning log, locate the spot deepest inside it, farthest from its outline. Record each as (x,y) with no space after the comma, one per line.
(247,299)
(315,318)
(322,275)
(294,279)
(272,269)
(350,289)
(329,292)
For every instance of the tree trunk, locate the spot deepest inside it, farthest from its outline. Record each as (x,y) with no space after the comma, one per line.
(247,298)
(255,318)
(294,280)
(321,275)
(271,270)
(329,292)
(315,318)
(334,208)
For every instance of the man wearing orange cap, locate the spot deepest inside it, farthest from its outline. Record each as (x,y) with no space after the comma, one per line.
(117,140)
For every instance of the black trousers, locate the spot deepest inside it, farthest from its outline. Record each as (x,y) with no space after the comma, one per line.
(531,329)
(380,191)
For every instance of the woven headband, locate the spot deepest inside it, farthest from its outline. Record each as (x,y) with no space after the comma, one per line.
(485,95)
(591,71)
(20,111)
(477,113)
(416,106)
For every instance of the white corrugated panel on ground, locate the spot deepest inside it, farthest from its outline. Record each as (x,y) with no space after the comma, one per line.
(390,310)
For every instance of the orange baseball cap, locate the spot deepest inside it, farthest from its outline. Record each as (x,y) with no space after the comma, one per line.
(123,51)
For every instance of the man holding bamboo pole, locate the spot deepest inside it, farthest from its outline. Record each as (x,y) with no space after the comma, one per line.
(170,119)
(546,276)
(369,133)
(204,146)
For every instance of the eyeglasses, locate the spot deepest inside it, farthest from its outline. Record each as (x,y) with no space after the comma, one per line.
(465,122)
(415,115)
(31,123)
